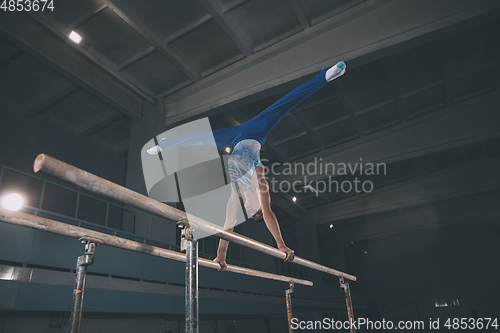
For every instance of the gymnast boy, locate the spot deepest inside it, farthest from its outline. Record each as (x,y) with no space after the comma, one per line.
(248,183)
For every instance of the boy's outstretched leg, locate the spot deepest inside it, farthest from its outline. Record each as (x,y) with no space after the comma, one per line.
(259,126)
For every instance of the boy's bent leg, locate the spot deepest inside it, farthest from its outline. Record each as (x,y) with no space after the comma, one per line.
(269,217)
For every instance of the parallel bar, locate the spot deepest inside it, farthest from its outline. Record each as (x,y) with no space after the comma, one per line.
(40,223)
(104,187)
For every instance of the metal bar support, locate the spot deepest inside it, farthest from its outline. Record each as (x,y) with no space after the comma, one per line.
(348,302)
(288,297)
(81,273)
(191,246)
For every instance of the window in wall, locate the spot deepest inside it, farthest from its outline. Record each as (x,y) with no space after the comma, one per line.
(92,210)
(120,219)
(59,200)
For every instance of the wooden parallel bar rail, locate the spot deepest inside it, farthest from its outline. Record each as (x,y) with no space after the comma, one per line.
(95,184)
(64,229)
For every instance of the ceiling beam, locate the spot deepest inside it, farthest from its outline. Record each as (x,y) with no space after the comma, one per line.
(302,121)
(349,107)
(462,180)
(58,55)
(464,123)
(85,17)
(422,88)
(61,87)
(137,57)
(215,68)
(331,123)
(437,215)
(57,30)
(6,60)
(120,148)
(215,10)
(128,14)
(97,123)
(300,13)
(276,68)
(396,92)
(188,28)
(269,144)
(233,5)
(59,94)
(290,138)
(448,48)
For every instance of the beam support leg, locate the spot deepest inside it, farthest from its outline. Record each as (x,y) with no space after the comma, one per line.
(348,303)
(288,297)
(81,273)
(190,244)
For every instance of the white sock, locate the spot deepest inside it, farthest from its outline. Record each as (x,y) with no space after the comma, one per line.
(335,71)
(155,150)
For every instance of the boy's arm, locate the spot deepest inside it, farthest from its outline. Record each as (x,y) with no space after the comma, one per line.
(233,205)
(269,216)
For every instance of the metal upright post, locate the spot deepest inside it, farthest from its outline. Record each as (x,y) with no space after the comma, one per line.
(190,244)
(348,303)
(81,272)
(288,297)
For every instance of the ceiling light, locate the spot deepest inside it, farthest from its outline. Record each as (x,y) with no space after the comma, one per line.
(75,37)
(294,199)
(366,252)
(13,201)
(331,226)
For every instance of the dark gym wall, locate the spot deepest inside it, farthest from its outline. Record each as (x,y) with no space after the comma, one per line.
(22,139)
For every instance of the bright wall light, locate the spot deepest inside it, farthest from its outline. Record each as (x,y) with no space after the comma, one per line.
(75,37)
(13,201)
(228,149)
